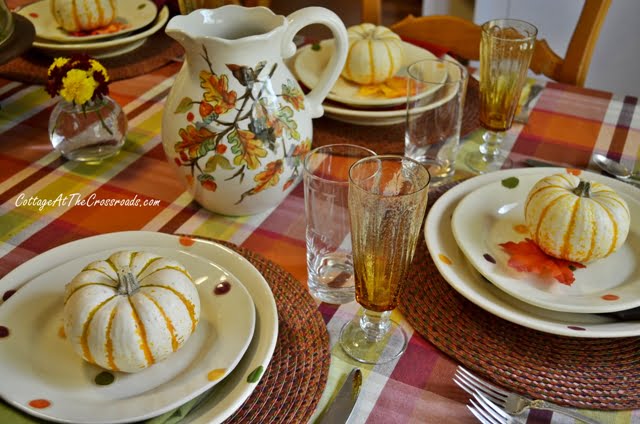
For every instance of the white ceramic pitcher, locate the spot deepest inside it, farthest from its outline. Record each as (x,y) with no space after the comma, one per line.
(236,124)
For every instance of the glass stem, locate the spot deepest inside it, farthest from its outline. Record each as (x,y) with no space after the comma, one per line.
(491,146)
(375,324)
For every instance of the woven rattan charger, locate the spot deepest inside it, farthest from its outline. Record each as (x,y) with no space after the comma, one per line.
(156,52)
(294,381)
(580,372)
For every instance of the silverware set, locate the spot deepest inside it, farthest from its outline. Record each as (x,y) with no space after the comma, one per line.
(491,404)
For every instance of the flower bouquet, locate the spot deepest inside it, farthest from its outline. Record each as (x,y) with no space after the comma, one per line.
(86,125)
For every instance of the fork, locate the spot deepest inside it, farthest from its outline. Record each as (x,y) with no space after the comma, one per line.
(487,412)
(512,403)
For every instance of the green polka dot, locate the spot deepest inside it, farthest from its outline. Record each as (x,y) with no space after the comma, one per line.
(255,375)
(104,378)
(511,182)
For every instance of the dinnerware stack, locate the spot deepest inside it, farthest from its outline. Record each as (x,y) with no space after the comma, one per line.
(234,340)
(347,101)
(135,22)
(464,232)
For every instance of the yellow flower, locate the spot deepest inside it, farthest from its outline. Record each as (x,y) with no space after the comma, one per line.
(78,86)
(57,62)
(97,67)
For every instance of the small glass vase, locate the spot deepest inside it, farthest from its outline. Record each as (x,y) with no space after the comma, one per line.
(90,132)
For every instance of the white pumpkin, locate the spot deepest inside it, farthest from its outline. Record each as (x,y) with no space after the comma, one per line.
(130,311)
(375,54)
(83,15)
(576,220)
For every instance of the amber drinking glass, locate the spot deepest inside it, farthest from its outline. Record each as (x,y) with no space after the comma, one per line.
(506,48)
(387,203)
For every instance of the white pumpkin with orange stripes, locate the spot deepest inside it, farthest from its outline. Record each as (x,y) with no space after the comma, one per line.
(130,311)
(375,54)
(576,220)
(84,15)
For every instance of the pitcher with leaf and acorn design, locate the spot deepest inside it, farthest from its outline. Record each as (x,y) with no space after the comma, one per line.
(236,124)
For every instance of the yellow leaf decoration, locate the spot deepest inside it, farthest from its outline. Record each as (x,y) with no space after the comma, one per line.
(293,95)
(269,177)
(392,88)
(247,149)
(302,148)
(217,92)
(192,140)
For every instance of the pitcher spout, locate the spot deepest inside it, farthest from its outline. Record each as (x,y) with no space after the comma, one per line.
(178,29)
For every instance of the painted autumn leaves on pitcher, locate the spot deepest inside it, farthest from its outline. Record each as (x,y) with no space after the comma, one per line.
(234,132)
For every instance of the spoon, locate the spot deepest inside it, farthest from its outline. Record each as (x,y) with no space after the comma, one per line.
(614,168)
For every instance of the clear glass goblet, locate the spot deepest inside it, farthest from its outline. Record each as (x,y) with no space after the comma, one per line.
(387,202)
(506,48)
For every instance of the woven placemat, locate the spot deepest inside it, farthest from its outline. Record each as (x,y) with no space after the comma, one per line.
(580,372)
(389,139)
(158,50)
(295,379)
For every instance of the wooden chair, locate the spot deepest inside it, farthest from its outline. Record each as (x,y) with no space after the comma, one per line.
(462,38)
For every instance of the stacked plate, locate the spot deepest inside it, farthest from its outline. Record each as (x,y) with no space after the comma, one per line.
(136,21)
(464,230)
(236,335)
(345,102)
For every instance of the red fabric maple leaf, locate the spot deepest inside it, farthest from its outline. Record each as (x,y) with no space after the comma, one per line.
(526,256)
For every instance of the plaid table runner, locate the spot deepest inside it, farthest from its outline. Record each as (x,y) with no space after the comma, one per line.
(567,125)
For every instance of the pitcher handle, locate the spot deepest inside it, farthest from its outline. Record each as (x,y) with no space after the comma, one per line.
(319,15)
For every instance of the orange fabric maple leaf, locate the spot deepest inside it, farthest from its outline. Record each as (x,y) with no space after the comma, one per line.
(526,256)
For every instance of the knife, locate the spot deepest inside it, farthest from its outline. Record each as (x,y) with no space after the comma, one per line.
(340,409)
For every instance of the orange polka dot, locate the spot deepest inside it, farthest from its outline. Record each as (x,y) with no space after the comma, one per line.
(610,297)
(521,228)
(445,259)
(61,333)
(187,241)
(40,403)
(216,374)
(574,171)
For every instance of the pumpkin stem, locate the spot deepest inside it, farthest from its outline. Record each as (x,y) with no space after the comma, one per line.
(583,189)
(128,284)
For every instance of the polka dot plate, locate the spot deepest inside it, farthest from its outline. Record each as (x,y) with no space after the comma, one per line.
(456,269)
(44,377)
(494,214)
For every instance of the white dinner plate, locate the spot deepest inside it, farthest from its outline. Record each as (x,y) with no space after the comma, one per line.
(63,379)
(490,215)
(462,276)
(135,14)
(312,60)
(386,117)
(106,48)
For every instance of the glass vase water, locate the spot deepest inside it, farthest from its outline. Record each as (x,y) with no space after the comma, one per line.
(90,132)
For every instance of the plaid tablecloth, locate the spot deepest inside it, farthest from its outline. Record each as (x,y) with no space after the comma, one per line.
(567,125)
